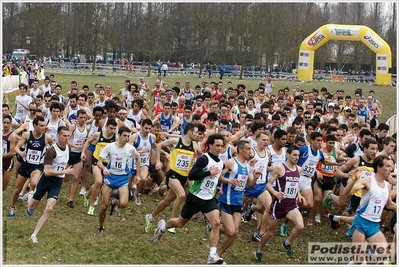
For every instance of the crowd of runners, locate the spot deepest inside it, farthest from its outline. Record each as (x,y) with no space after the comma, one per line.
(230,152)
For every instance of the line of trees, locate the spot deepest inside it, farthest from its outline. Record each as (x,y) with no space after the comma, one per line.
(243,33)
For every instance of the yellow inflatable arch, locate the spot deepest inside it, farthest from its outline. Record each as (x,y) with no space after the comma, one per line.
(345,33)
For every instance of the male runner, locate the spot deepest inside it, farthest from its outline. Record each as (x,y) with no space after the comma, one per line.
(116,172)
(33,155)
(181,160)
(201,197)
(55,163)
(284,205)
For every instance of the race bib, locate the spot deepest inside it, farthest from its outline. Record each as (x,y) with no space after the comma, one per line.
(182,162)
(164,128)
(291,189)
(144,159)
(118,163)
(209,184)
(327,169)
(20,109)
(243,181)
(4,147)
(308,171)
(33,156)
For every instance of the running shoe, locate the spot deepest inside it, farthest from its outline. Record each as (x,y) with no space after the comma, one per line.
(194,217)
(33,238)
(327,199)
(82,191)
(317,218)
(331,205)
(258,256)
(91,211)
(137,200)
(214,259)
(208,229)
(305,213)
(158,232)
(20,197)
(132,193)
(172,230)
(248,213)
(29,212)
(70,204)
(288,249)
(96,201)
(148,223)
(256,237)
(28,195)
(101,229)
(11,213)
(86,201)
(112,206)
(334,225)
(283,230)
(310,223)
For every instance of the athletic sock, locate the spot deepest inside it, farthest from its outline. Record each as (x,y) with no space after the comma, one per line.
(286,243)
(163,228)
(283,225)
(336,218)
(150,218)
(212,251)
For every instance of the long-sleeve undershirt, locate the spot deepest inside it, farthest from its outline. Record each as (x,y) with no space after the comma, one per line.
(197,172)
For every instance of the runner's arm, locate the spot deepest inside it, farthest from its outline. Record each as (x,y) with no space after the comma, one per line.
(197,172)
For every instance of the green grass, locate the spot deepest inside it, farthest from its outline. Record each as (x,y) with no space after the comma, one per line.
(70,236)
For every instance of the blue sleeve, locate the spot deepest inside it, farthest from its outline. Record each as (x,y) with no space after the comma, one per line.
(303,155)
(321,156)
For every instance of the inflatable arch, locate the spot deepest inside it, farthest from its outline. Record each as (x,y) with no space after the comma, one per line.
(345,33)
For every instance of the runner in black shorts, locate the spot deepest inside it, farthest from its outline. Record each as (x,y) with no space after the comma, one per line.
(78,132)
(55,168)
(32,167)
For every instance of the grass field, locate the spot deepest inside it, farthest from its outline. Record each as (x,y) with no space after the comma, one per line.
(70,236)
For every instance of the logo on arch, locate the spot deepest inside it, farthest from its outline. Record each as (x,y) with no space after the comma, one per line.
(372,41)
(316,38)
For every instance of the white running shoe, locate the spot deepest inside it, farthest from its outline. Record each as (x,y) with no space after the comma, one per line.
(96,202)
(214,259)
(137,200)
(11,213)
(82,191)
(158,233)
(317,218)
(33,238)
